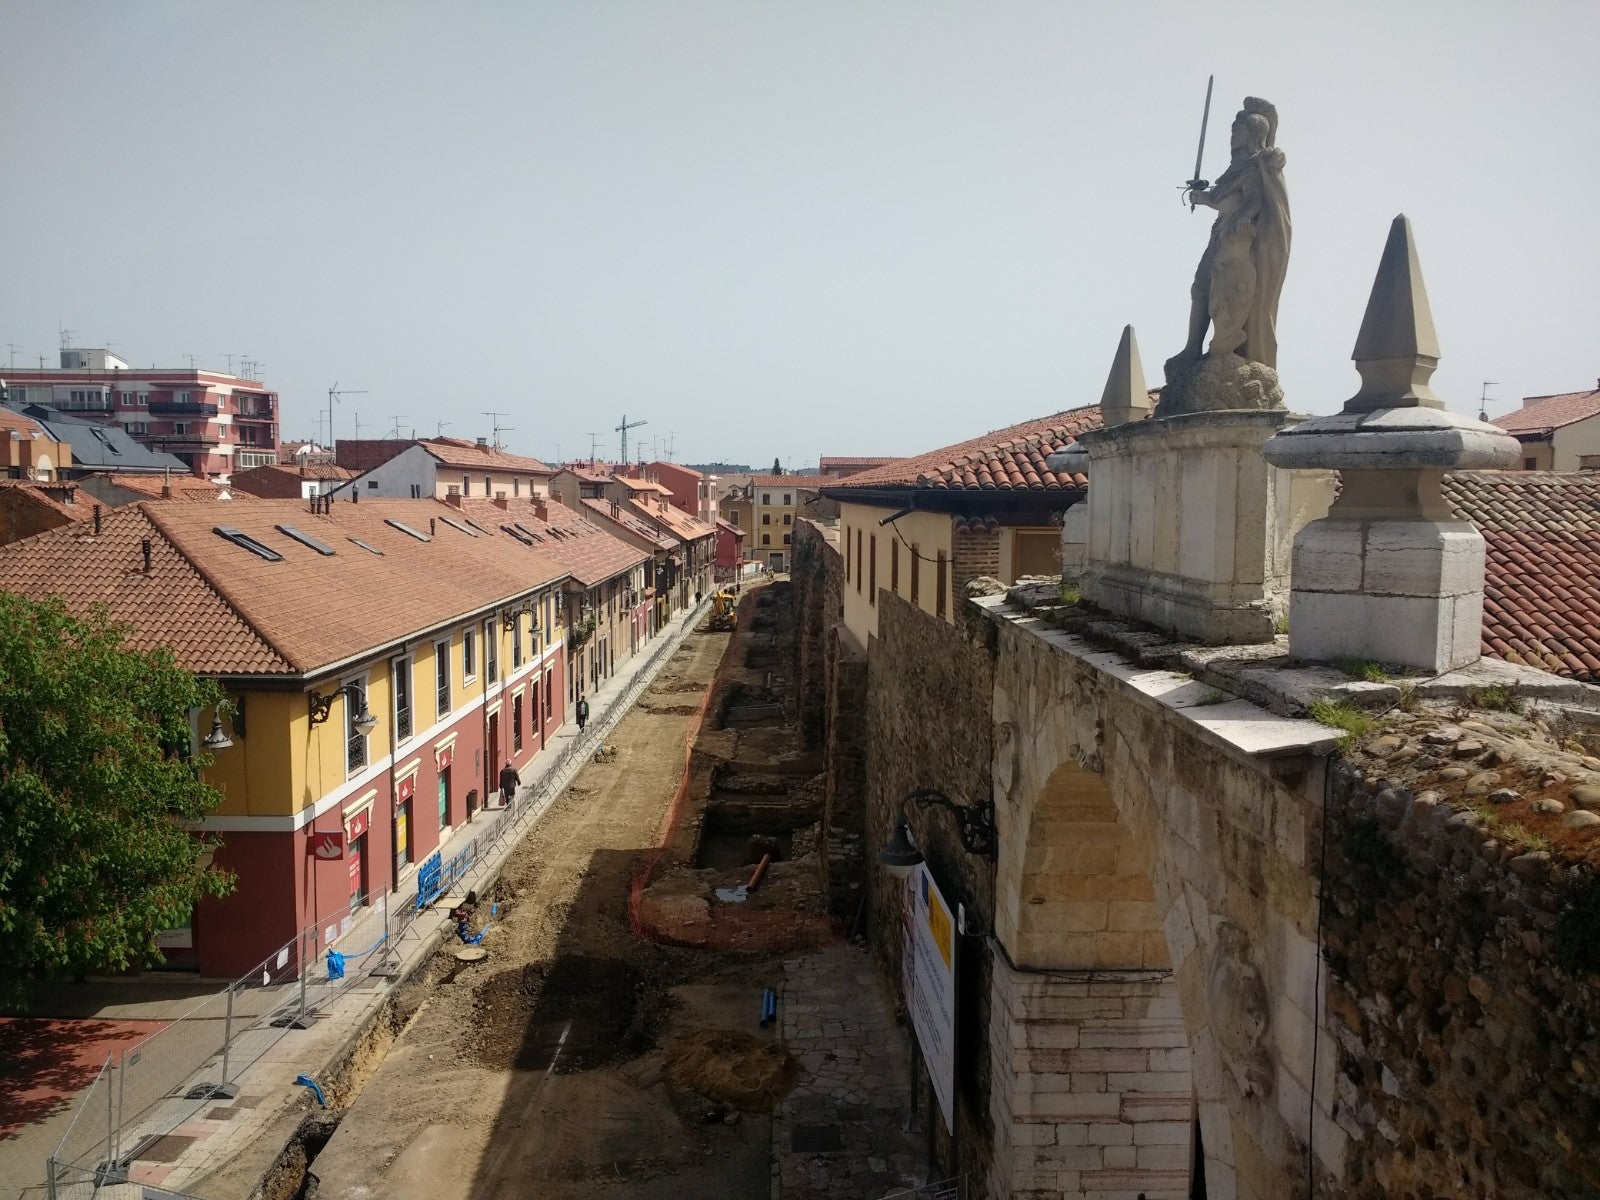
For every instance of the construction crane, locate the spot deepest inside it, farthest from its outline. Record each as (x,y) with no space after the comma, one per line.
(334,393)
(623,430)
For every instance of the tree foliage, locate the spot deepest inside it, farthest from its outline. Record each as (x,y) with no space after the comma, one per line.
(99,795)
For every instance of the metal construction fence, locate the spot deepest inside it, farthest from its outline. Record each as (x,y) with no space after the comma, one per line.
(145,1091)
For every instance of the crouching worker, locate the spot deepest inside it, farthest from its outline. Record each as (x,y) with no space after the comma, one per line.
(461,914)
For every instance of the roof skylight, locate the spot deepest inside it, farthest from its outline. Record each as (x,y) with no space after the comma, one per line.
(305,539)
(406,529)
(239,538)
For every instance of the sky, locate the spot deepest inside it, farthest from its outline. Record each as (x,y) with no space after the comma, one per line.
(773,230)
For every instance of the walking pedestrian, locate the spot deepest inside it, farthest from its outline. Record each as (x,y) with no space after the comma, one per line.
(510,781)
(583,713)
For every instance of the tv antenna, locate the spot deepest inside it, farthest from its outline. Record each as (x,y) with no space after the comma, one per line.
(335,393)
(13,347)
(623,430)
(191,358)
(395,432)
(438,428)
(1483,399)
(358,425)
(672,443)
(494,423)
(594,441)
(68,336)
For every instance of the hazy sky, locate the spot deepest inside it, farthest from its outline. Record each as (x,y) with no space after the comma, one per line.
(774,229)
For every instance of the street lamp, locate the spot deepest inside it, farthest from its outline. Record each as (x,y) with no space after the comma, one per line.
(976,830)
(321,706)
(217,739)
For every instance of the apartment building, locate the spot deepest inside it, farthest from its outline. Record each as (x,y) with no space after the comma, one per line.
(439,467)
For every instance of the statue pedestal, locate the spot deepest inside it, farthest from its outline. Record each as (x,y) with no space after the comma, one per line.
(1190,528)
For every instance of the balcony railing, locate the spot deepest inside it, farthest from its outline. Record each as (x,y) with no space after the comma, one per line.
(247,414)
(183,441)
(182,408)
(402,723)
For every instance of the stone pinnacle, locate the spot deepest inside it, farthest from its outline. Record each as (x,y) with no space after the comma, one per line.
(1125,398)
(1396,351)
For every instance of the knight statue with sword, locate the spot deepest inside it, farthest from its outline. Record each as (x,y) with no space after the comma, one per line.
(1240,276)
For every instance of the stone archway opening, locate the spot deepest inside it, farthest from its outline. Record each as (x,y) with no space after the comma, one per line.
(1096,1093)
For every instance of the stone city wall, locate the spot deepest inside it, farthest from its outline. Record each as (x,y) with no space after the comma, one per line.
(1458,998)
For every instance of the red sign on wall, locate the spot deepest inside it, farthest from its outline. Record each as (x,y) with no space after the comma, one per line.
(357,825)
(408,788)
(329,845)
(444,757)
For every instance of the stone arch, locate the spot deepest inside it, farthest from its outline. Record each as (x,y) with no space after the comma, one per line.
(1082,896)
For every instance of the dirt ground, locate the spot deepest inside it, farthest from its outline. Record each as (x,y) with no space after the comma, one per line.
(561,1066)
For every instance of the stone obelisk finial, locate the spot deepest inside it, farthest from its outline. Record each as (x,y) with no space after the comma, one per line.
(1397,350)
(1390,575)
(1125,397)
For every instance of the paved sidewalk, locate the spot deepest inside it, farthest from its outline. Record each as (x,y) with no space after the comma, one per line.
(843,1133)
(222,1130)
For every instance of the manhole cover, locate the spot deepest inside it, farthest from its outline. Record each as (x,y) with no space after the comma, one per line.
(816,1139)
(162,1149)
(471,954)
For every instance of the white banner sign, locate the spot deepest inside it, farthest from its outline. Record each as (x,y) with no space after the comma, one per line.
(928,973)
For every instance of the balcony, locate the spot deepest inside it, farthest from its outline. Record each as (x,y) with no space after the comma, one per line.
(182,408)
(250,414)
(178,442)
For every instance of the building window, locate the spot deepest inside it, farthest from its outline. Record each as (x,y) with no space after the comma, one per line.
(180,428)
(941,581)
(516,641)
(894,566)
(788,498)
(766,518)
(766,497)
(1530,464)
(491,652)
(402,699)
(144,399)
(469,653)
(786,539)
(858,562)
(916,574)
(441,674)
(849,558)
(372,485)
(766,539)
(733,516)
(516,486)
(872,569)
(355,742)
(516,723)
(185,397)
(466,486)
(549,696)
(486,492)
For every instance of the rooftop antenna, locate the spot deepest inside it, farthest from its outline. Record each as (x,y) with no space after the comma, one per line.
(358,426)
(1483,399)
(68,336)
(672,443)
(333,394)
(494,422)
(594,441)
(191,358)
(395,432)
(438,428)
(623,430)
(13,347)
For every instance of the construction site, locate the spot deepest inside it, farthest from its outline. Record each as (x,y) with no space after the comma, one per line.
(666,1007)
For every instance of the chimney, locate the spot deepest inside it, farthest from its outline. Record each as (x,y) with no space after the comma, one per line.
(433,527)
(541,509)
(500,501)
(615,509)
(483,443)
(97,520)
(166,483)
(453,499)
(144,545)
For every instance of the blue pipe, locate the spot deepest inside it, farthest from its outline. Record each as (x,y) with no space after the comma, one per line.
(307,1081)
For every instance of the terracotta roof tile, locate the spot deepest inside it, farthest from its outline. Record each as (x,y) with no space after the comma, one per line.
(465,455)
(226,610)
(878,461)
(1010,459)
(582,548)
(622,515)
(1541,605)
(674,521)
(1542,414)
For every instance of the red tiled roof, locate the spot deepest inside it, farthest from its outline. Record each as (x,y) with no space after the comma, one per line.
(731,528)
(465,455)
(223,609)
(793,482)
(1010,459)
(624,516)
(584,550)
(366,453)
(283,480)
(587,474)
(877,461)
(1542,414)
(1541,603)
(40,493)
(181,486)
(17,423)
(675,521)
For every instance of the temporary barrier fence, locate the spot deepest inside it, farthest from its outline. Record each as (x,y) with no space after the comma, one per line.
(147,1090)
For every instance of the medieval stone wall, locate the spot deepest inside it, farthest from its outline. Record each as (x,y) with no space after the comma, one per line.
(817,570)
(1468,1060)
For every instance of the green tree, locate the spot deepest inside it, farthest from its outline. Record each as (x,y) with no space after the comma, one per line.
(777,467)
(99,795)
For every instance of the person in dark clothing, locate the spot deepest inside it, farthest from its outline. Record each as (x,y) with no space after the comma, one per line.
(583,713)
(461,914)
(509,782)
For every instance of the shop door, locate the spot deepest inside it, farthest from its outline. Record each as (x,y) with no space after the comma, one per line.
(357,854)
(495,762)
(444,797)
(402,838)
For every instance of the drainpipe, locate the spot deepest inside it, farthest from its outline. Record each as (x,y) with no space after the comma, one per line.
(394,792)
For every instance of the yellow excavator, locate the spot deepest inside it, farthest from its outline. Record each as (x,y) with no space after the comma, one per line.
(722,613)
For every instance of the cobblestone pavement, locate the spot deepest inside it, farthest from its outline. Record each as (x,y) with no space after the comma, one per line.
(842,1133)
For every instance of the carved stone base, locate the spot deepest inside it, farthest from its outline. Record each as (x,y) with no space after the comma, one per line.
(1218,383)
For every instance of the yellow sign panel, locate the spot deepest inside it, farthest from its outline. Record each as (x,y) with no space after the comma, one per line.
(939,926)
(400,833)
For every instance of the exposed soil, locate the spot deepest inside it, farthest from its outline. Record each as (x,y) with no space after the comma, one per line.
(537,1072)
